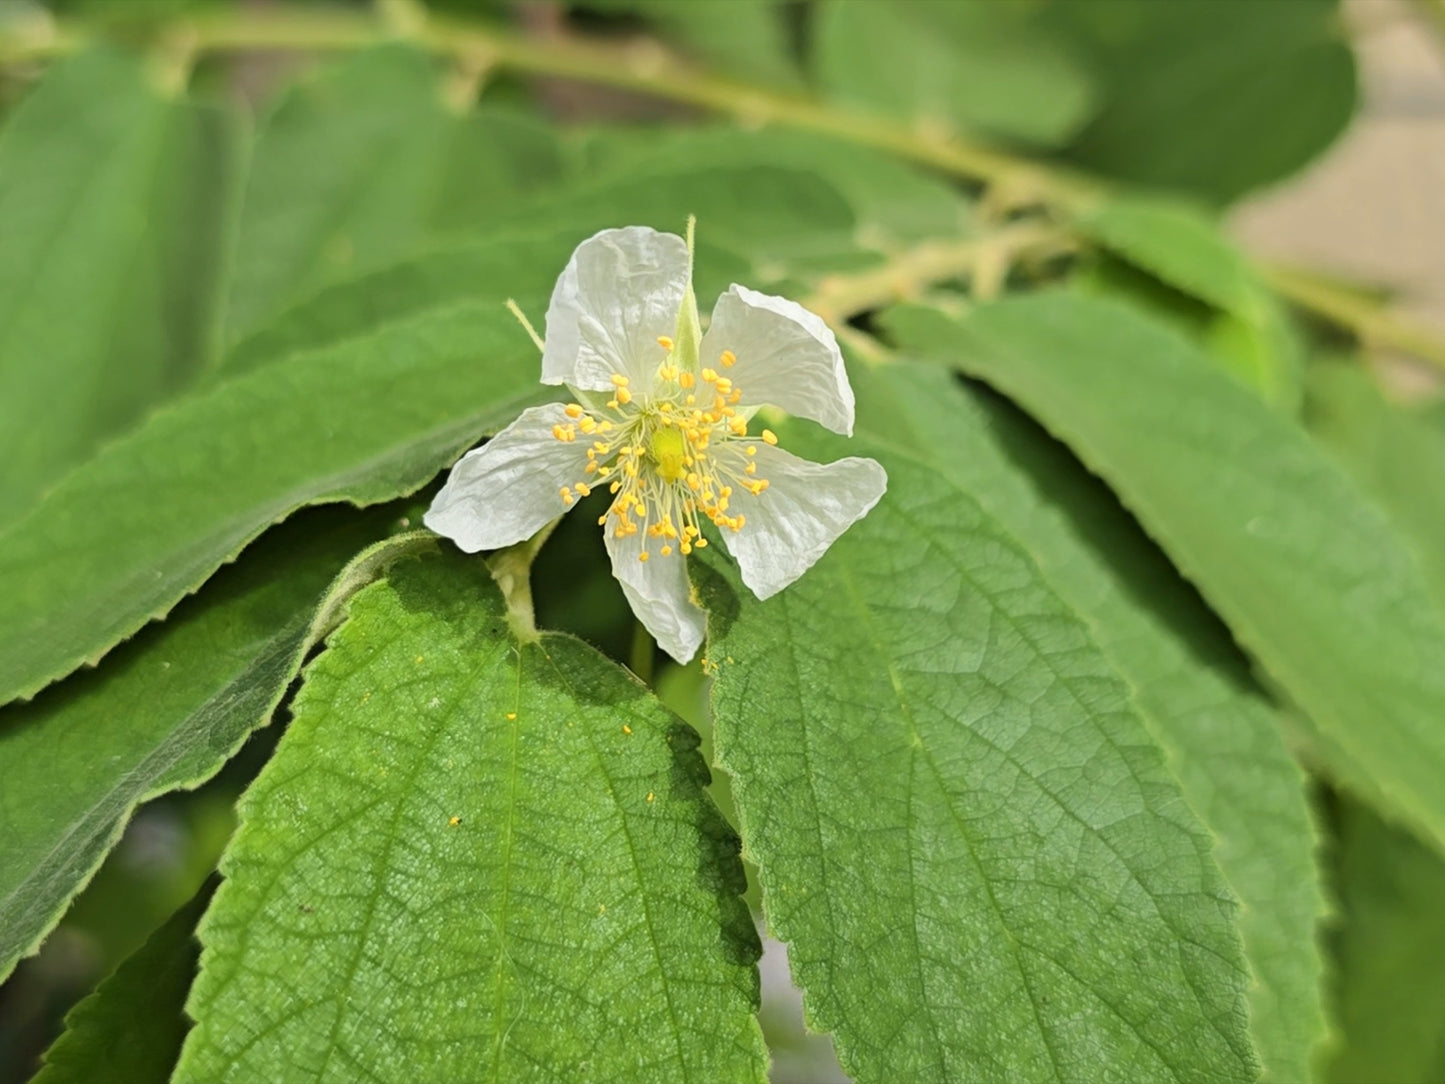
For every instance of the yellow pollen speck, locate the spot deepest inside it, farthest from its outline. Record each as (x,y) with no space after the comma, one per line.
(752,449)
(664,342)
(511,715)
(769,437)
(728,359)
(453,821)
(626,729)
(650,796)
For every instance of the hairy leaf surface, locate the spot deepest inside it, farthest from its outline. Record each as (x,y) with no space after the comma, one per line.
(491,859)
(946,791)
(1222,736)
(164,714)
(125,537)
(1307,572)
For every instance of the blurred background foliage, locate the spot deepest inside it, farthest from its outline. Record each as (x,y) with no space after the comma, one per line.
(312,161)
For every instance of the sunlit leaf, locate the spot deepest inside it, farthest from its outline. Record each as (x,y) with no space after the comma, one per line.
(1221,734)
(947,792)
(489,858)
(1309,575)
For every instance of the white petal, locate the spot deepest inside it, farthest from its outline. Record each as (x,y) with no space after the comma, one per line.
(786,356)
(806,506)
(619,292)
(659,593)
(507,489)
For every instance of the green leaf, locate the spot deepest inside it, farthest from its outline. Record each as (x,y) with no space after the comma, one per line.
(981,866)
(132,1027)
(1206,98)
(164,714)
(744,39)
(1311,578)
(1185,248)
(388,390)
(771,213)
(1180,244)
(892,203)
(749,219)
(990,67)
(1395,451)
(1389,988)
(126,536)
(490,858)
(361,164)
(1221,735)
(113,202)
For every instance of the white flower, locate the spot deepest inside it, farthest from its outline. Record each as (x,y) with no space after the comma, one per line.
(662,418)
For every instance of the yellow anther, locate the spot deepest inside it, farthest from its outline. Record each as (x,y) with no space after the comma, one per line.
(691,399)
(665,342)
(612,404)
(573,410)
(566,495)
(584,489)
(769,437)
(752,449)
(642,556)
(624,396)
(666,551)
(728,359)
(702,543)
(751,468)
(619,380)
(709,375)
(686,380)
(685,547)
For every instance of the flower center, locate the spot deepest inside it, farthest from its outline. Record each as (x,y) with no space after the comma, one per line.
(672,454)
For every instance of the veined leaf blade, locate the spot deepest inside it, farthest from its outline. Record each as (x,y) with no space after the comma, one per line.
(1309,575)
(1222,736)
(946,791)
(488,857)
